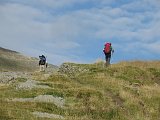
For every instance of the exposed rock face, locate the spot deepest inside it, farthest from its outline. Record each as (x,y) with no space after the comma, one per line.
(30,84)
(72,69)
(8,77)
(58,101)
(47,115)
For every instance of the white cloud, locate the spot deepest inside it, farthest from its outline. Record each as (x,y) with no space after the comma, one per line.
(152,47)
(24,27)
(49,4)
(37,24)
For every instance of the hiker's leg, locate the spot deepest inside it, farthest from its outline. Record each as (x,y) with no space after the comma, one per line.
(40,68)
(43,66)
(107,60)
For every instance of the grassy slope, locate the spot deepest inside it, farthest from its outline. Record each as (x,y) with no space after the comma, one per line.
(14,61)
(124,91)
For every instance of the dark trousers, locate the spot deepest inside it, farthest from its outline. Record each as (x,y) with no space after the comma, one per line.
(108,58)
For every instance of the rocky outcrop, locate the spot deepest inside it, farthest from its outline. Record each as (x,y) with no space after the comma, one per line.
(72,69)
(9,77)
(30,84)
(58,101)
(47,115)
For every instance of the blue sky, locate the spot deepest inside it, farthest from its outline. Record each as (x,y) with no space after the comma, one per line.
(76,30)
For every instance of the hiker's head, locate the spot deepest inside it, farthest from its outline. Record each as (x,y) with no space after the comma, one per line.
(107,43)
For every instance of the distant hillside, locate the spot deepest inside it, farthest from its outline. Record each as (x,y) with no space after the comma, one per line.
(14,61)
(7,50)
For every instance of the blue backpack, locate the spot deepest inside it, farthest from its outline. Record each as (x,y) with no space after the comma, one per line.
(42,60)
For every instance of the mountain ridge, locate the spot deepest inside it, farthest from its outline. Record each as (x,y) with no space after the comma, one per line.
(7,50)
(11,60)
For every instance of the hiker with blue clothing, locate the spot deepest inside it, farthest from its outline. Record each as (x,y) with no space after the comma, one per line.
(108,51)
(42,63)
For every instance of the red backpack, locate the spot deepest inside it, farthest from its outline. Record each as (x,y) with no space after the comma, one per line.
(107,48)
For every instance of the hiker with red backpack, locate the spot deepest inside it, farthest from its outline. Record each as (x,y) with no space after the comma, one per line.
(108,51)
